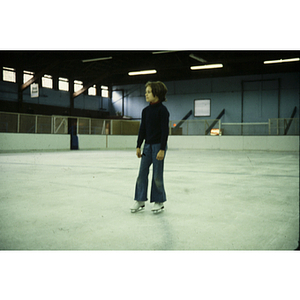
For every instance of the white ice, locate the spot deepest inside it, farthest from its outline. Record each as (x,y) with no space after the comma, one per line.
(216,200)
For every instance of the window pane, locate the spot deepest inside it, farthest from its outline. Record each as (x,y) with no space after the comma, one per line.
(27,75)
(63,84)
(92,91)
(9,74)
(47,81)
(78,85)
(104,91)
(105,94)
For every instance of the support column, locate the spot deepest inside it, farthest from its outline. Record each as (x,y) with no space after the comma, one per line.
(19,79)
(279,90)
(71,92)
(55,82)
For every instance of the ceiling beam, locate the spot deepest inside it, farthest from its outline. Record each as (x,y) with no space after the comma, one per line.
(86,86)
(37,76)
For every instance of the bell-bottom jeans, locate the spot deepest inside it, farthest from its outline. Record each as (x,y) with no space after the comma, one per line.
(157,188)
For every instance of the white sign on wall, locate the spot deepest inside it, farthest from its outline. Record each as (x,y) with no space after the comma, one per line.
(34,90)
(202,108)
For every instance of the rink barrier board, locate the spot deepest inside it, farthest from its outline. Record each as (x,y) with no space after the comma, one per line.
(23,142)
(19,142)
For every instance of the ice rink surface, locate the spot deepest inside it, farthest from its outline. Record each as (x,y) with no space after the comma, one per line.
(216,200)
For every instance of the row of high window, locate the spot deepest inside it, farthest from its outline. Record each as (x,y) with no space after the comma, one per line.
(9,74)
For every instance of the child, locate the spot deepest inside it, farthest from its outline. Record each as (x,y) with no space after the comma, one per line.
(154,129)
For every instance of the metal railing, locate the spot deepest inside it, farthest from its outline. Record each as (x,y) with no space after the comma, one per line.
(40,124)
(26,123)
(283,126)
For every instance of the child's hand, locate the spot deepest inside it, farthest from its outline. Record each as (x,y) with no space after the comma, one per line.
(138,152)
(160,155)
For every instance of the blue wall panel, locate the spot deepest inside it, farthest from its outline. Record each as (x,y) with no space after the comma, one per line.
(260,97)
(48,97)
(8,91)
(87,102)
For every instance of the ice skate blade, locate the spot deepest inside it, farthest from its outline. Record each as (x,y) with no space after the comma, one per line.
(157,211)
(137,210)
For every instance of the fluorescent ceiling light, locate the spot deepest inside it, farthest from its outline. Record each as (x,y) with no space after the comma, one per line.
(96,59)
(281,60)
(212,66)
(163,52)
(145,72)
(198,58)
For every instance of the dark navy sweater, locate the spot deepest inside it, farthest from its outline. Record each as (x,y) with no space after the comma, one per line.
(154,128)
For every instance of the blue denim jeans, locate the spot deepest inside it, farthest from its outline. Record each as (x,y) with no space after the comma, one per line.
(157,188)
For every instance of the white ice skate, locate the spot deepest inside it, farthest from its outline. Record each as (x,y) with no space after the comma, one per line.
(137,206)
(157,207)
